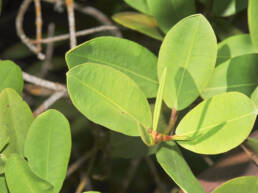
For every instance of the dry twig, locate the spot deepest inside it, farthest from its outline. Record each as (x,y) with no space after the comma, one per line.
(38,23)
(47,103)
(250,154)
(71,19)
(43,83)
(78,34)
(49,51)
(20,32)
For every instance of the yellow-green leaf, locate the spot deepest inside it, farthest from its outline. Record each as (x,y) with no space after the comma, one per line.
(189,53)
(108,97)
(218,124)
(139,22)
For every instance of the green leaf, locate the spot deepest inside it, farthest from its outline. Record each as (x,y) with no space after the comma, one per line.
(252,21)
(139,22)
(252,143)
(239,185)
(15,120)
(124,55)
(122,146)
(109,98)
(254,96)
(3,185)
(91,192)
(235,46)
(10,76)
(49,133)
(227,8)
(20,178)
(174,164)
(169,12)
(158,103)
(189,53)
(218,124)
(238,74)
(140,5)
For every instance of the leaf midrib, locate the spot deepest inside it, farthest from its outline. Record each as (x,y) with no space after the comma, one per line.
(214,125)
(179,88)
(106,98)
(119,67)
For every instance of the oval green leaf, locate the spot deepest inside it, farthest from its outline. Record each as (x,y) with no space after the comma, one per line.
(109,98)
(235,46)
(15,120)
(48,147)
(140,5)
(252,21)
(227,8)
(20,178)
(139,22)
(238,74)
(239,185)
(218,124)
(174,164)
(169,12)
(189,53)
(10,76)
(124,55)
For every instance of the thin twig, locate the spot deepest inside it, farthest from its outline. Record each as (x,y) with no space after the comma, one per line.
(78,163)
(97,14)
(47,103)
(250,154)
(38,23)
(101,17)
(78,34)
(49,51)
(43,83)
(85,177)
(130,174)
(160,185)
(71,20)
(20,32)
(38,90)
(208,160)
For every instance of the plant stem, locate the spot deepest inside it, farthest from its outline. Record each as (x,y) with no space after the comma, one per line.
(172,121)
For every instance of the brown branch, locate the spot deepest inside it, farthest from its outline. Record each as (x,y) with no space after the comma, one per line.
(97,14)
(101,17)
(78,163)
(130,174)
(85,177)
(47,103)
(78,34)
(172,121)
(43,83)
(20,32)
(250,154)
(49,51)
(38,90)
(71,19)
(38,23)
